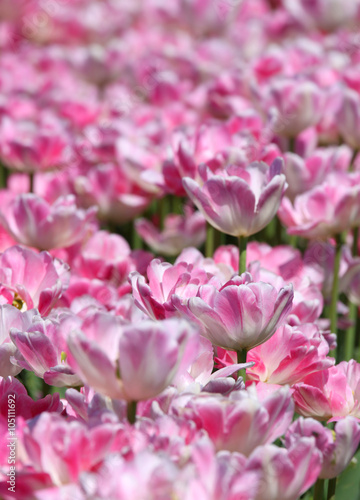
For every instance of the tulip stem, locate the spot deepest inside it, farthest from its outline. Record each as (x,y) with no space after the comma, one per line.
(31,182)
(319,490)
(335,286)
(136,240)
(241,358)
(131,412)
(331,489)
(351,333)
(209,245)
(163,210)
(242,253)
(4,173)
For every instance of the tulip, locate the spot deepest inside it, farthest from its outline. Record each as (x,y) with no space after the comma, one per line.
(243,421)
(326,210)
(239,201)
(289,355)
(304,174)
(41,348)
(107,187)
(33,222)
(337,447)
(348,118)
(285,473)
(330,394)
(180,231)
(241,315)
(165,280)
(104,256)
(11,317)
(327,15)
(123,367)
(31,280)
(299,104)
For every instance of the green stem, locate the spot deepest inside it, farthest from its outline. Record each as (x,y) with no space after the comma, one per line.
(319,490)
(352,164)
(241,358)
(137,243)
(355,242)
(335,286)
(131,412)
(4,174)
(293,241)
(292,142)
(279,231)
(31,179)
(242,253)
(163,210)
(353,312)
(351,333)
(331,489)
(209,244)
(177,205)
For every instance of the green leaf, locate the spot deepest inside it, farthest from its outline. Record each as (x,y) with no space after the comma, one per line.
(348,484)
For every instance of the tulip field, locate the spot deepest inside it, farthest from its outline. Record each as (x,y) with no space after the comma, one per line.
(179,249)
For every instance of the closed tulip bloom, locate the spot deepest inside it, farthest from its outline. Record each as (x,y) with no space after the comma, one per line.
(299,104)
(337,447)
(241,315)
(326,210)
(34,222)
(239,201)
(180,231)
(327,15)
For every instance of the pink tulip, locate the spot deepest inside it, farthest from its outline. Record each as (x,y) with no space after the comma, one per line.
(337,447)
(165,280)
(241,315)
(285,473)
(242,422)
(33,222)
(326,15)
(330,394)
(326,210)
(29,146)
(304,174)
(299,104)
(11,317)
(107,187)
(31,280)
(25,407)
(239,201)
(180,231)
(41,348)
(104,256)
(130,353)
(63,450)
(348,118)
(289,355)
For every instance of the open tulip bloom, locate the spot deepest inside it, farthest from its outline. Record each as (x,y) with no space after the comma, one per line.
(179,250)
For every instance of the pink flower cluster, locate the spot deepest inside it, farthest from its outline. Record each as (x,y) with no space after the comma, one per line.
(221,135)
